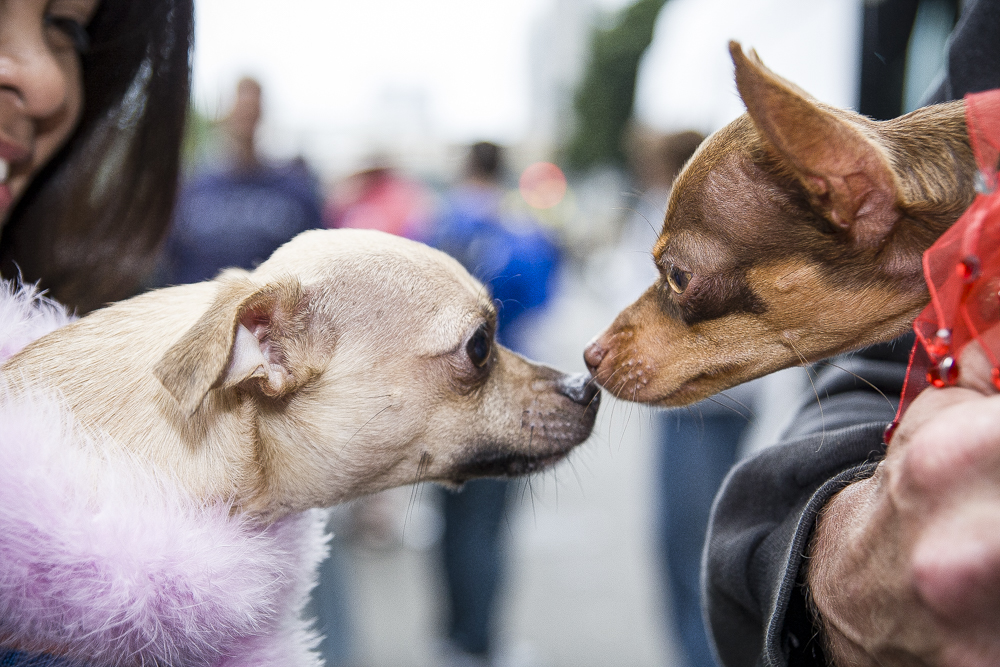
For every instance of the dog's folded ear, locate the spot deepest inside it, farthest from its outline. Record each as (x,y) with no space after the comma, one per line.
(242,338)
(848,174)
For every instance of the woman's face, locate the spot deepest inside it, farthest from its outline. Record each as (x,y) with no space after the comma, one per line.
(41,93)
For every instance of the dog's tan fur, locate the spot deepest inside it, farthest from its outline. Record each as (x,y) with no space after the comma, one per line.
(802,227)
(338,368)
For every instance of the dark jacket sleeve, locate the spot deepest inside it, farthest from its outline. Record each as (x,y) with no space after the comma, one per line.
(764,513)
(973,53)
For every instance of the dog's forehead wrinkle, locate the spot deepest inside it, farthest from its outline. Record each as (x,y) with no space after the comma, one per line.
(739,200)
(696,253)
(383,304)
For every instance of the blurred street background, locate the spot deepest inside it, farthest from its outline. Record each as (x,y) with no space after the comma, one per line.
(565,121)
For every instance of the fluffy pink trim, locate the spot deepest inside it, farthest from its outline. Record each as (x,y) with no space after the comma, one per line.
(24,316)
(99,554)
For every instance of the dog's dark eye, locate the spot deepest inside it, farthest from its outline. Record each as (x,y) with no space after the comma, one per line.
(479,346)
(678,279)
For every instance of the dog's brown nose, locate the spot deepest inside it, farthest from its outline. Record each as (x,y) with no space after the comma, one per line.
(594,354)
(581,389)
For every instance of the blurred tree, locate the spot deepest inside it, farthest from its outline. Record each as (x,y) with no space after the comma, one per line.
(197,138)
(603,102)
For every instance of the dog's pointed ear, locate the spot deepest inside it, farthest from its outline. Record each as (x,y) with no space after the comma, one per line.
(847,174)
(242,338)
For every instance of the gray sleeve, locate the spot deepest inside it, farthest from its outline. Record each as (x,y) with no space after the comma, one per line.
(973,52)
(764,513)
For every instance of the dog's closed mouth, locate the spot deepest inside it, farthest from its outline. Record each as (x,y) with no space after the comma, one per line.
(506,464)
(549,433)
(685,393)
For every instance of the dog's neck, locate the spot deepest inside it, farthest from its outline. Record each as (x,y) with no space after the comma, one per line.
(933,162)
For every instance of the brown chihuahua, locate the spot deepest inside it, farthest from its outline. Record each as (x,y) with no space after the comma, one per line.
(794,233)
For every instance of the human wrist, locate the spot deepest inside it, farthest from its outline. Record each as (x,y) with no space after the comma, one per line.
(860,581)
(830,558)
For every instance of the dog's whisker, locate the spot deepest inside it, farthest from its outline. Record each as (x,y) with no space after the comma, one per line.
(628,417)
(596,397)
(525,486)
(555,482)
(819,402)
(613,379)
(611,419)
(576,474)
(531,495)
(610,383)
(363,425)
(750,414)
(505,279)
(858,377)
(731,408)
(411,504)
(639,213)
(416,490)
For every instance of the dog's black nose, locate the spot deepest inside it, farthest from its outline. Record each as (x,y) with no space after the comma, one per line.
(580,388)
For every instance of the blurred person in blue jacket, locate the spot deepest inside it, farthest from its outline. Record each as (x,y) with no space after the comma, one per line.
(517,260)
(235,212)
(698,444)
(507,249)
(238,211)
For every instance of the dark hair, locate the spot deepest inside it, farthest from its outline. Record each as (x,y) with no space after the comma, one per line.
(91,222)
(485,160)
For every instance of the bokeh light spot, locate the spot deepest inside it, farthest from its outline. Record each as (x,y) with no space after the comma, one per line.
(543,185)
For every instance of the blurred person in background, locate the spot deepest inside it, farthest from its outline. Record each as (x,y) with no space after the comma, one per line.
(238,209)
(698,443)
(381,198)
(517,260)
(234,212)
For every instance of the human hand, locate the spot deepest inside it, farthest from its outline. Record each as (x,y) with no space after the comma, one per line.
(904,567)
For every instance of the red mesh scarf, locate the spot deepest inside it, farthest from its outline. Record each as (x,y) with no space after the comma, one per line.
(962,270)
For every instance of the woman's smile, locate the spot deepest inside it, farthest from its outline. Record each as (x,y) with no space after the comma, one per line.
(41,93)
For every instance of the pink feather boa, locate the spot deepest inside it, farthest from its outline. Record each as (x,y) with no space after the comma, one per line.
(99,554)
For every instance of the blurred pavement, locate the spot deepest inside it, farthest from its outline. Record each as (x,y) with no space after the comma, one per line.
(582,586)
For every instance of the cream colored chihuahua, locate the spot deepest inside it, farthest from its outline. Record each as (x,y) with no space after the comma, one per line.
(349,362)
(156,455)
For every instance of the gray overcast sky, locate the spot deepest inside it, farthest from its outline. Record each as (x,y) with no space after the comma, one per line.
(327,62)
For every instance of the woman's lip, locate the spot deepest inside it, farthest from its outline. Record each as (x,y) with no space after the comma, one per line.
(6,197)
(12,151)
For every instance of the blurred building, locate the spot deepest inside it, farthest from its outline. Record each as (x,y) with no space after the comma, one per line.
(557,54)
(686,81)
